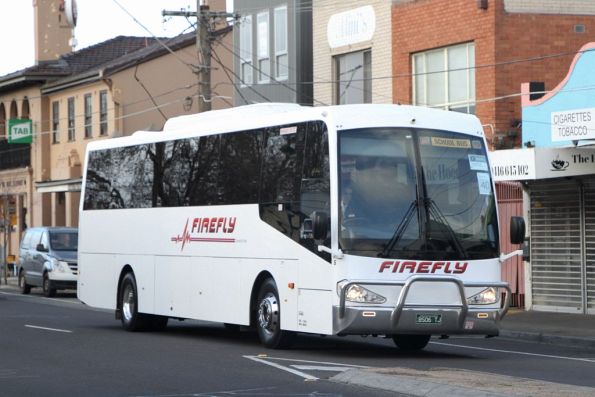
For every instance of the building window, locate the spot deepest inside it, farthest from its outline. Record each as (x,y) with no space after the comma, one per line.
(281,58)
(262,42)
(88,116)
(103,113)
(445,78)
(71,119)
(246,69)
(56,122)
(353,76)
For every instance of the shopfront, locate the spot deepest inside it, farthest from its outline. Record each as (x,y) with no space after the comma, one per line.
(557,169)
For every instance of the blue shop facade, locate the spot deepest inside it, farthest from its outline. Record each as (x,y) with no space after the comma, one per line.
(557,169)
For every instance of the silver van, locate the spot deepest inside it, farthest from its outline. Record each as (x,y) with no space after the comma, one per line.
(48,259)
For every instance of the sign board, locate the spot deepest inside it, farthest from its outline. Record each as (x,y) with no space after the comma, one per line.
(512,165)
(573,125)
(541,163)
(351,27)
(20,131)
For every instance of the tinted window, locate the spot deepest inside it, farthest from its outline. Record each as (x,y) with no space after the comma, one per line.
(241,157)
(315,182)
(204,186)
(281,174)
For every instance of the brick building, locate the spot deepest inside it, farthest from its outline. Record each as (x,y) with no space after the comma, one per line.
(501,43)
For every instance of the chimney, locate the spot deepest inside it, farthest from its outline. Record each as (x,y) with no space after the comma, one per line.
(52,29)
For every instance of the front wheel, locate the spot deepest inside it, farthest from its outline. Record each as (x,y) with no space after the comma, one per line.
(411,342)
(23,286)
(48,291)
(268,318)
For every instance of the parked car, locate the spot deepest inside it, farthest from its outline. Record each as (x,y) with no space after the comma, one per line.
(48,259)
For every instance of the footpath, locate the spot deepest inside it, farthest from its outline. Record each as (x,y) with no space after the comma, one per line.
(561,329)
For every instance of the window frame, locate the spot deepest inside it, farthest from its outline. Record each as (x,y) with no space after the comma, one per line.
(71,120)
(419,81)
(246,52)
(88,101)
(284,51)
(55,122)
(261,57)
(366,57)
(103,127)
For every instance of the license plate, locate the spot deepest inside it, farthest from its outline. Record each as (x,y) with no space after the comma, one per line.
(428,319)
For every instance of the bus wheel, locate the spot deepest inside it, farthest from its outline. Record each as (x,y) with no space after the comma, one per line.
(132,320)
(268,318)
(23,286)
(411,342)
(48,291)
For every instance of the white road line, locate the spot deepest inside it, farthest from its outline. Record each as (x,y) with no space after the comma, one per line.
(587,360)
(282,367)
(320,368)
(316,362)
(48,329)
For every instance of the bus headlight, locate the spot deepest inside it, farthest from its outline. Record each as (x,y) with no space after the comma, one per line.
(357,293)
(486,297)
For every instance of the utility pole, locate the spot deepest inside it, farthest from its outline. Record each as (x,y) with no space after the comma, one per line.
(204,41)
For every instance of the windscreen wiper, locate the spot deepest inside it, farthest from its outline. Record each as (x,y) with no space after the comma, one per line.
(439,216)
(400,230)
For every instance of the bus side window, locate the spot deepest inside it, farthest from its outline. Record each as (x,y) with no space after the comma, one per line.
(315,183)
(204,184)
(241,157)
(282,165)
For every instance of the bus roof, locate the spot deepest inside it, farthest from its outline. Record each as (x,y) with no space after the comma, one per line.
(270,114)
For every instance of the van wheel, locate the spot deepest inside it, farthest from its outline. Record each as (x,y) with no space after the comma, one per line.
(23,286)
(132,320)
(411,342)
(48,291)
(268,318)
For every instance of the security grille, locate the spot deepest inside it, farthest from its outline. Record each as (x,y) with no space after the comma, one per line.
(589,200)
(556,249)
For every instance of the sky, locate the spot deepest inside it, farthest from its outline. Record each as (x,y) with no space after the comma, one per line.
(98,20)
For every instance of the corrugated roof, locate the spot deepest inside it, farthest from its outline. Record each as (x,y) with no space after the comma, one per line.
(75,62)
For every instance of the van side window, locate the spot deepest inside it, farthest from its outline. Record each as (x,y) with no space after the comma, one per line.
(35,237)
(45,240)
(26,240)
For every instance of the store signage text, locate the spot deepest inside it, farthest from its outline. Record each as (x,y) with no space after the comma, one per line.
(20,131)
(351,27)
(573,125)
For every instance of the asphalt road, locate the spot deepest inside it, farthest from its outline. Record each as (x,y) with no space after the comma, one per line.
(57,347)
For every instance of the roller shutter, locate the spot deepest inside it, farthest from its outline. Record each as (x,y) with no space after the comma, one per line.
(589,200)
(556,251)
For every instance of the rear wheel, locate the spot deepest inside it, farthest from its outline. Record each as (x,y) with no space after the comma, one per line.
(23,286)
(268,318)
(411,342)
(48,291)
(132,320)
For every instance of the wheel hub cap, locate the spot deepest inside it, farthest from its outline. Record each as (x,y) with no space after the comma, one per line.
(268,313)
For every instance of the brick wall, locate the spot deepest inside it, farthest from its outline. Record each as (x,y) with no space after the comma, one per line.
(500,38)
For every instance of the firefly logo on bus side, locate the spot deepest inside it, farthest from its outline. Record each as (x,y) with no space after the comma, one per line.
(423,267)
(201,228)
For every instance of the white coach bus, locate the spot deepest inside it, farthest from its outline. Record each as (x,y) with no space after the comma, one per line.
(354,219)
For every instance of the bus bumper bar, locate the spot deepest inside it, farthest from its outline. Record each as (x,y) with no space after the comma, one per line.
(454,319)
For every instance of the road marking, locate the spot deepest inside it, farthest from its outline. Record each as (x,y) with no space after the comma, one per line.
(321,368)
(282,367)
(587,360)
(48,329)
(315,362)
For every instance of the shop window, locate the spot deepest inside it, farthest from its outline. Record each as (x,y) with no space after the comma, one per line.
(353,76)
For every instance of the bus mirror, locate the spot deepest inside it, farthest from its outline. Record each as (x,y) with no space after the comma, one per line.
(319,224)
(517,230)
